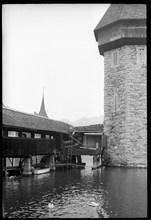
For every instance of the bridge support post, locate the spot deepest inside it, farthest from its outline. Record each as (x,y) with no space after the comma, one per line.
(79,159)
(99,162)
(4,166)
(27,167)
(52,162)
(73,159)
(96,160)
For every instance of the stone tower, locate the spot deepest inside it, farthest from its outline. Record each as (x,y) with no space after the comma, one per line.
(121,37)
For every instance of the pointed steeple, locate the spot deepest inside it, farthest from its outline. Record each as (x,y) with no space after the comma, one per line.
(42,109)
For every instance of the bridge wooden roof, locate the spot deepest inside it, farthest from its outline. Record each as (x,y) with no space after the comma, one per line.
(16,119)
(97,128)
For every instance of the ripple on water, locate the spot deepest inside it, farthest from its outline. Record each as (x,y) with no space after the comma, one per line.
(29,197)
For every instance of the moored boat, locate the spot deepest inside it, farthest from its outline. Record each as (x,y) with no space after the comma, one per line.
(95,167)
(37,171)
(79,166)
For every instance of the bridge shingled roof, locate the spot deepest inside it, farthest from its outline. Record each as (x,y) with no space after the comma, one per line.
(117,12)
(97,128)
(18,119)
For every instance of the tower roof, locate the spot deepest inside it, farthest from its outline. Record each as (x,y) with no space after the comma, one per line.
(42,109)
(117,12)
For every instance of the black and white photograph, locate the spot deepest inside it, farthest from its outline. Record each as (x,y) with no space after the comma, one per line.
(74,110)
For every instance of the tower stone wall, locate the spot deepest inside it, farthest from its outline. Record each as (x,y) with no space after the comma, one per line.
(121,37)
(125,108)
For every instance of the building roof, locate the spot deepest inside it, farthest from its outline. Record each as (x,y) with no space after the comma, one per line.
(13,118)
(42,109)
(117,12)
(97,128)
(3,105)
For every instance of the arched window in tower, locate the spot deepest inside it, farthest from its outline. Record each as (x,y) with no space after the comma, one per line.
(115,58)
(141,56)
(115,102)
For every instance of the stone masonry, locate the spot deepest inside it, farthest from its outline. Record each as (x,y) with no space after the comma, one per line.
(121,37)
(125,125)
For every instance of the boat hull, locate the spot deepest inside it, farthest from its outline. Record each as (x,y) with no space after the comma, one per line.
(41,171)
(95,167)
(79,166)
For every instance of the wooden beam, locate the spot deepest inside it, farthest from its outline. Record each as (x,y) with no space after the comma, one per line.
(19,134)
(43,135)
(68,142)
(23,147)
(11,161)
(4,165)
(5,132)
(86,151)
(32,134)
(77,141)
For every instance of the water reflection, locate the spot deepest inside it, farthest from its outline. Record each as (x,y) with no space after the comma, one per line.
(119,193)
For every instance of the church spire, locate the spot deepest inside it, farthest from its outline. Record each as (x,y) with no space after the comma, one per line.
(42,109)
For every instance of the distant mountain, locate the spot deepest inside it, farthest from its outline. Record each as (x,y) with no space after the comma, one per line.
(85,121)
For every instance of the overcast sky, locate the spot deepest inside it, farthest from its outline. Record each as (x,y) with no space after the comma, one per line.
(53,46)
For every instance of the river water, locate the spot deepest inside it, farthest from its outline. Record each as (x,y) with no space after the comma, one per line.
(119,192)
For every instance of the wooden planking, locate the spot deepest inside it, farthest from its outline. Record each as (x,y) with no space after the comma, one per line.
(13,146)
(85,151)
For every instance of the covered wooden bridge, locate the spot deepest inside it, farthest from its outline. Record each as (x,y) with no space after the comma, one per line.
(39,135)
(34,135)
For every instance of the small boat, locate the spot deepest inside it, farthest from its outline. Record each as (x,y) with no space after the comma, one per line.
(61,165)
(39,170)
(95,167)
(79,166)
